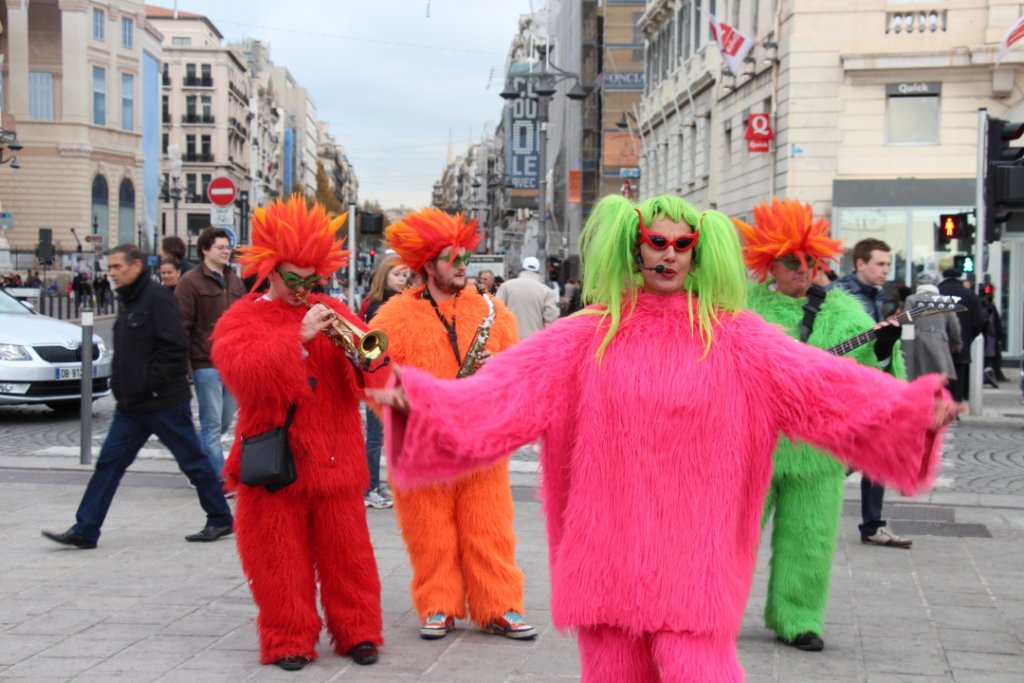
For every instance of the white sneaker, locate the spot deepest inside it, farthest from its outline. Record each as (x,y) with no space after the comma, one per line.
(376,499)
(884,537)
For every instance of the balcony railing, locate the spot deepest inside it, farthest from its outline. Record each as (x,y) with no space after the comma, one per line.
(198,158)
(198,82)
(197,118)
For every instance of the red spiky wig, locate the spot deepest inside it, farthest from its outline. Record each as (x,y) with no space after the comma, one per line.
(421,235)
(782,228)
(293,232)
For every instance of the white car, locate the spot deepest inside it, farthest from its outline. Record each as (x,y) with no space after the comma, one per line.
(41,359)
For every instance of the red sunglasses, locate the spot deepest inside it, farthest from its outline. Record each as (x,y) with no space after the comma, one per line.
(661,242)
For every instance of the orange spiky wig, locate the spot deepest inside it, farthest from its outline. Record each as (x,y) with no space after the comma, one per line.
(421,235)
(293,232)
(782,228)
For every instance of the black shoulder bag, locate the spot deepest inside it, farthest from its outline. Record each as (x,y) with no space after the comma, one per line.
(267,458)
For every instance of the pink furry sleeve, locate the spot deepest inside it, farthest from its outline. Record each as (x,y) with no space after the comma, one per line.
(863,416)
(456,426)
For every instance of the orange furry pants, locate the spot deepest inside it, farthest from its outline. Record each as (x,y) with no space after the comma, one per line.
(610,655)
(462,547)
(287,540)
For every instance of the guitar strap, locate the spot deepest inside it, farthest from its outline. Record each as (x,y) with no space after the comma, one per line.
(815,297)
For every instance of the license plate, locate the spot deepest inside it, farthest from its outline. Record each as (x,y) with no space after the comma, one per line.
(69,373)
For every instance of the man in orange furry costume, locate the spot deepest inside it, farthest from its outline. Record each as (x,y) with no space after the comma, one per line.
(459,535)
(271,354)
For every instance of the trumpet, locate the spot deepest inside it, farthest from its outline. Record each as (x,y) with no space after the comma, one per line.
(368,346)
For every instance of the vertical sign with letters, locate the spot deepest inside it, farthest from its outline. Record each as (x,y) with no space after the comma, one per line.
(522,154)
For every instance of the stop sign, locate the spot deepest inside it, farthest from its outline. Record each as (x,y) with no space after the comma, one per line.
(221,191)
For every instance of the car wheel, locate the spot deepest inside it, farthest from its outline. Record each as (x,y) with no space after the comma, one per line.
(69,406)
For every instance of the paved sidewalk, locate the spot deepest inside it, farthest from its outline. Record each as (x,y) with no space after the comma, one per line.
(147,606)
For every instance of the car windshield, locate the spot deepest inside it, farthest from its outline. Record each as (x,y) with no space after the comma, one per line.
(8,304)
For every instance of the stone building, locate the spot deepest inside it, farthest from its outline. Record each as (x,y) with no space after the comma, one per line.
(76,77)
(873,108)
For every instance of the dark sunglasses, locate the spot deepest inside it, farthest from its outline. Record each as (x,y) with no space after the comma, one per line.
(293,281)
(793,262)
(660,242)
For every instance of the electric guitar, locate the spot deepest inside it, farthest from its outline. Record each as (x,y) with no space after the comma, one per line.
(933,305)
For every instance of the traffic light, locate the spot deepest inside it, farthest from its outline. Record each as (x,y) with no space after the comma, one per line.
(952,226)
(964,263)
(1004,179)
(45,251)
(373,256)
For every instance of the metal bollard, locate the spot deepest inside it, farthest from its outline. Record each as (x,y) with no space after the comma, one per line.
(86,413)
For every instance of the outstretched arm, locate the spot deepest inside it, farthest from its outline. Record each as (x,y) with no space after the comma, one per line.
(436,430)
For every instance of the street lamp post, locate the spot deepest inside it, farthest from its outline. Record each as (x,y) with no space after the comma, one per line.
(544,89)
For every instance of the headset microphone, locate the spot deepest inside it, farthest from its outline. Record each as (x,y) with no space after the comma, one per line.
(657,269)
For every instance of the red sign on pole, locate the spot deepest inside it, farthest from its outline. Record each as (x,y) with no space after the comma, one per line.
(575,186)
(759,132)
(221,191)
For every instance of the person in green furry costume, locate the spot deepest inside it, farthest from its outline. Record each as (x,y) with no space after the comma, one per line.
(784,249)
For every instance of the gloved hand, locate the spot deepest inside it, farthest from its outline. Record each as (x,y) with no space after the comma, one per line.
(886,336)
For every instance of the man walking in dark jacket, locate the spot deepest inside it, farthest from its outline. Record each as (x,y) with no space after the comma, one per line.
(972,323)
(151,387)
(203,294)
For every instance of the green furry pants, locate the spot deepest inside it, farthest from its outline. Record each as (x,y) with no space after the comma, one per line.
(807,511)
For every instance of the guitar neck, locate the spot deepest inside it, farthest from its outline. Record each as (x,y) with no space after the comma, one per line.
(863,338)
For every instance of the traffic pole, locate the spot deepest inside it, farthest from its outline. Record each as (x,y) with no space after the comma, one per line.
(353,254)
(85,437)
(976,374)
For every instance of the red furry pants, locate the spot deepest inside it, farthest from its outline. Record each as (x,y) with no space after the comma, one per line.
(611,655)
(290,539)
(462,547)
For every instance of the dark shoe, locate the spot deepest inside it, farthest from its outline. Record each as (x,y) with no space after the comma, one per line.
(212,533)
(364,653)
(809,642)
(292,663)
(70,537)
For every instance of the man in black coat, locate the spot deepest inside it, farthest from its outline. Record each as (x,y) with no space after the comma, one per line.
(149,381)
(972,323)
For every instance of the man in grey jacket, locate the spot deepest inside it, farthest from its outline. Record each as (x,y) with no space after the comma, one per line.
(533,303)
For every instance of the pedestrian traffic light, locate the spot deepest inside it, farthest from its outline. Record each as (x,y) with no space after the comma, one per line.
(373,256)
(964,263)
(951,226)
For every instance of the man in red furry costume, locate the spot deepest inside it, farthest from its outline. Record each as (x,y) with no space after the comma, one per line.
(458,534)
(271,354)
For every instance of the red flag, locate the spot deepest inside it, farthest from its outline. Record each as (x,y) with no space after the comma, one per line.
(1012,37)
(733,44)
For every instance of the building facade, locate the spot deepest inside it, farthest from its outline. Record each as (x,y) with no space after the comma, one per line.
(75,76)
(205,105)
(877,128)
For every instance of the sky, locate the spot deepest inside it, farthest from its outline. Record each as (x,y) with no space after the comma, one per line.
(395,79)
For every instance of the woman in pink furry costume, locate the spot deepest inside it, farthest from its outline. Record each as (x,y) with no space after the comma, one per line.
(652,405)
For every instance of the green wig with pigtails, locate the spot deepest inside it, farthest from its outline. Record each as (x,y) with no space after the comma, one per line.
(609,254)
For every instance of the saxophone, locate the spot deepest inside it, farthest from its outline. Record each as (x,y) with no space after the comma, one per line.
(471,362)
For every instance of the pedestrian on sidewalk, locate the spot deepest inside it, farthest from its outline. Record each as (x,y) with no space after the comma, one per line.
(389,279)
(459,534)
(872,261)
(785,248)
(150,383)
(653,409)
(936,339)
(203,294)
(533,303)
(275,358)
